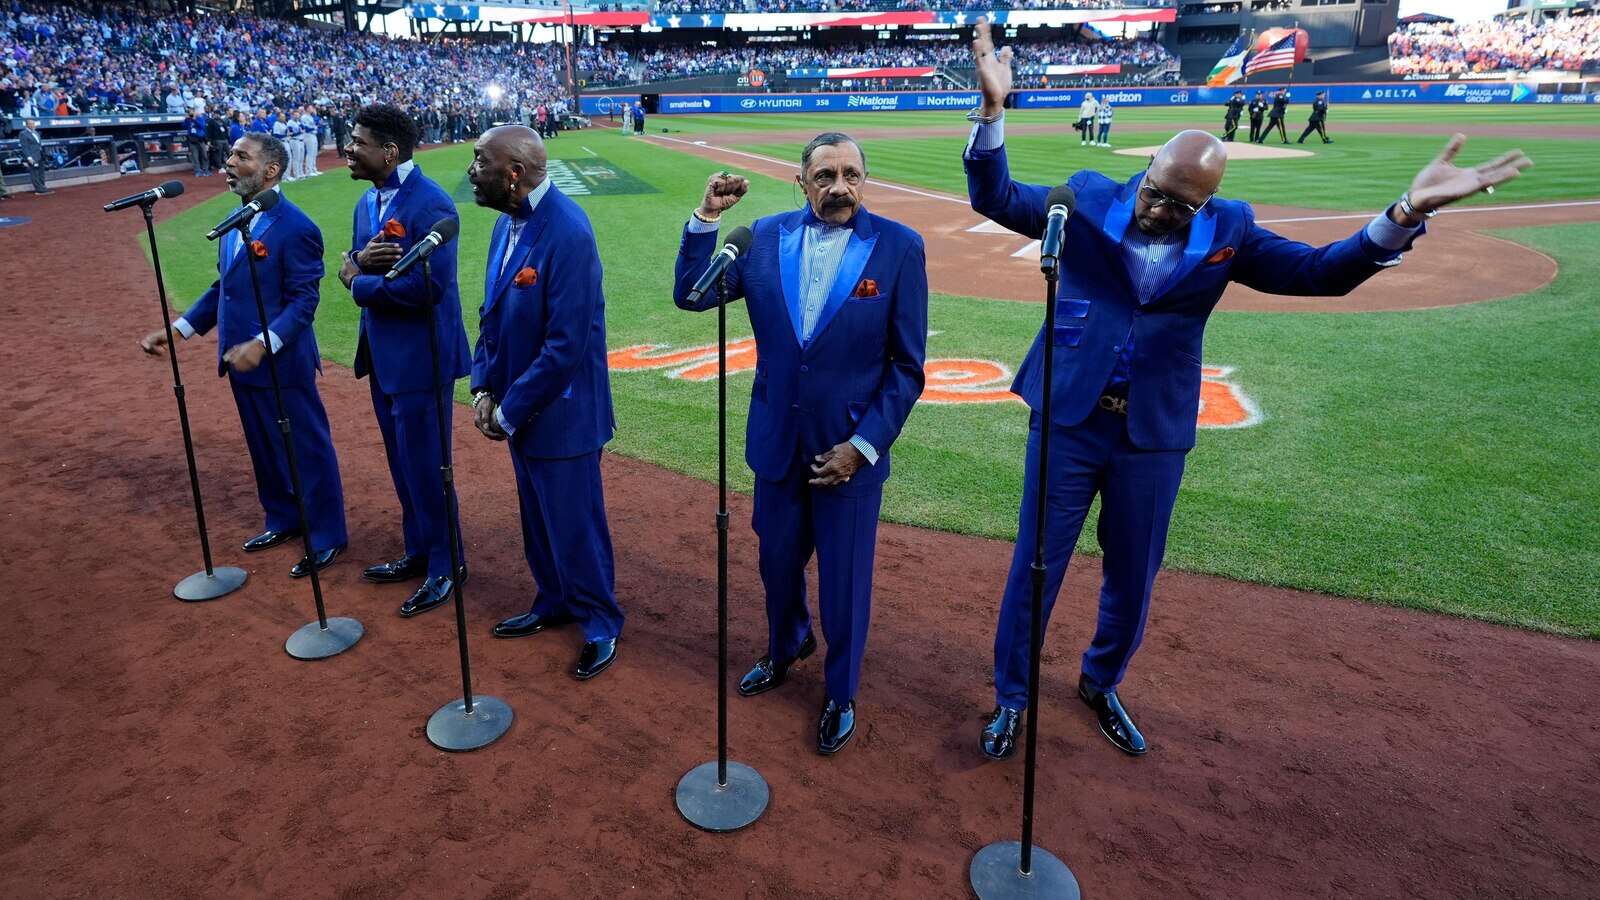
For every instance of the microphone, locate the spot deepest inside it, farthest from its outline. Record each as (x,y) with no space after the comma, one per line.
(1061,201)
(737,244)
(444,231)
(263,202)
(169,189)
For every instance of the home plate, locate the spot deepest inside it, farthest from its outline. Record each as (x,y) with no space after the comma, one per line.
(1236,150)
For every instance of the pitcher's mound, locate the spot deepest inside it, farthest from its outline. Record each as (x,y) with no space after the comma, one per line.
(1236,150)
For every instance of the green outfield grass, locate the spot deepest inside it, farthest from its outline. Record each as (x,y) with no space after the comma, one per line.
(1441,459)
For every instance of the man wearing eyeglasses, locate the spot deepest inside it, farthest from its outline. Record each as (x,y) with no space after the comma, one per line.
(1144,263)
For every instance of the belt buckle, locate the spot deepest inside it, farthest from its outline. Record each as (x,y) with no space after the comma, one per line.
(1118,405)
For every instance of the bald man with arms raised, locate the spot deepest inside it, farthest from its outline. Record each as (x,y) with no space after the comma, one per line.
(1143,264)
(539,382)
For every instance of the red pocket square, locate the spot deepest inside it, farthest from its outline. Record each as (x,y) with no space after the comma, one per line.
(527,276)
(867,288)
(259,249)
(393,229)
(1221,256)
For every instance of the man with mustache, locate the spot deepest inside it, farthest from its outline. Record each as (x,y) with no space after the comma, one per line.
(539,382)
(288,250)
(838,300)
(392,350)
(1143,264)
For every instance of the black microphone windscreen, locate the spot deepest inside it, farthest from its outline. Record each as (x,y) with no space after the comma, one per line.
(1061,195)
(268,199)
(447,228)
(171,188)
(740,238)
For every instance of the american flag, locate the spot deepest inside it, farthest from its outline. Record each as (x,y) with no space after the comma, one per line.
(1279,56)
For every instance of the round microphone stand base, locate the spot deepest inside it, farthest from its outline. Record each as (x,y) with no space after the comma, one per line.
(313,641)
(222,581)
(997,875)
(722,807)
(453,728)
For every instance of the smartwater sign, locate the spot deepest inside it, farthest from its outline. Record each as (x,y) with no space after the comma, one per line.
(795,103)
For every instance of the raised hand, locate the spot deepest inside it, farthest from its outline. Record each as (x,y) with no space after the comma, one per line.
(1442,182)
(723,190)
(994,70)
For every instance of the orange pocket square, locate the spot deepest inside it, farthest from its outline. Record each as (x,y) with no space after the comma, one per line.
(867,288)
(258,249)
(393,229)
(527,276)
(1221,256)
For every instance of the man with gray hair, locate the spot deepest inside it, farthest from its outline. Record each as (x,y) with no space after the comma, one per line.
(838,300)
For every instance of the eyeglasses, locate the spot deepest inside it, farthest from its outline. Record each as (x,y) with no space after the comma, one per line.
(1158,197)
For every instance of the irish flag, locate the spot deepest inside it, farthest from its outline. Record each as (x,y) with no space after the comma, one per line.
(1230,67)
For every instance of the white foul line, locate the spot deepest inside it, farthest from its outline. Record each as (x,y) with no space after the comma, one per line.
(590,152)
(783,162)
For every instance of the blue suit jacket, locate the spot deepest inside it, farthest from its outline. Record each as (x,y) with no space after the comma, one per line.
(861,372)
(291,275)
(393,345)
(542,347)
(1097,303)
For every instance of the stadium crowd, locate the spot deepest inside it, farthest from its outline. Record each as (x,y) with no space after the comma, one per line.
(687,62)
(793,6)
(1450,48)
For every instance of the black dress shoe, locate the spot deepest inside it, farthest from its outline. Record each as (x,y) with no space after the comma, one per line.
(595,658)
(403,569)
(1115,721)
(322,558)
(434,592)
(529,623)
(266,540)
(766,674)
(834,728)
(999,738)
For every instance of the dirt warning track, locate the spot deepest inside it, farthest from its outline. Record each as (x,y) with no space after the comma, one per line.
(1455,263)
(1302,745)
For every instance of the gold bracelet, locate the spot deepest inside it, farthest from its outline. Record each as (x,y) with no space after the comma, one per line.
(696,214)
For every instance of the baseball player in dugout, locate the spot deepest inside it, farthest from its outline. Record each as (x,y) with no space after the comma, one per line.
(1144,261)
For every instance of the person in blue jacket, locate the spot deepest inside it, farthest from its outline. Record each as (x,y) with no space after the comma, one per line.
(287,246)
(540,383)
(1144,262)
(392,348)
(838,300)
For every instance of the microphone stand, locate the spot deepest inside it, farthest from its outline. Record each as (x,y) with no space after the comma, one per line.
(1011,869)
(467,723)
(213,582)
(325,637)
(722,796)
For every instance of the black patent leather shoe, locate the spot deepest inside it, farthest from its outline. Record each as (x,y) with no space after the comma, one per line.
(529,623)
(596,657)
(835,726)
(266,540)
(434,592)
(1115,722)
(766,674)
(322,559)
(403,569)
(999,738)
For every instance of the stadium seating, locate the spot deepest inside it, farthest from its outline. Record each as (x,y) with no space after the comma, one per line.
(1448,48)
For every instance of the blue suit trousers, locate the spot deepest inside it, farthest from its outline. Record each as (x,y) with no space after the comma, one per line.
(1137,491)
(568,541)
(314,454)
(792,519)
(409,422)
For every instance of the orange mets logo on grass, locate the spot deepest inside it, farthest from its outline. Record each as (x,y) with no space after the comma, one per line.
(1223,404)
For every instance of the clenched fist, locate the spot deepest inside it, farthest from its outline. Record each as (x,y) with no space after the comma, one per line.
(723,190)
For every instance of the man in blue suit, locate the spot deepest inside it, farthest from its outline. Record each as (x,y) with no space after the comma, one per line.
(1144,262)
(539,381)
(838,300)
(288,250)
(393,351)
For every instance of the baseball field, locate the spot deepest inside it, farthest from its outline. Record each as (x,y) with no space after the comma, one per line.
(1369,669)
